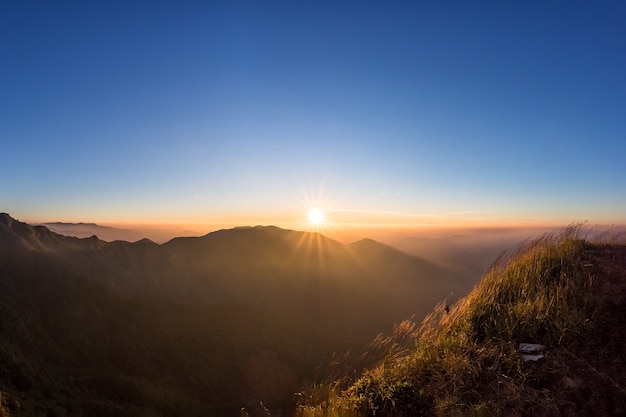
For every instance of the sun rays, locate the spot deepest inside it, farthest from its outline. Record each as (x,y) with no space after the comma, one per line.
(316,217)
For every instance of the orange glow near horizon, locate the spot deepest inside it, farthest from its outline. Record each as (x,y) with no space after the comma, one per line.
(312,210)
(314,217)
(314,207)
(340,225)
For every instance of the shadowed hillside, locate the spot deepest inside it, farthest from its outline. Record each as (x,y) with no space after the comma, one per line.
(543,334)
(196,326)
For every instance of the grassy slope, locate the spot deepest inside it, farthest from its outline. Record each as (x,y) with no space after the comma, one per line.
(563,291)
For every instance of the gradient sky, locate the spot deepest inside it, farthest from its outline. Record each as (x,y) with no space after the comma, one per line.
(247,112)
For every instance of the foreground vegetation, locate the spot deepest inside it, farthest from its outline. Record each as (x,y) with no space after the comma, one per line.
(561,291)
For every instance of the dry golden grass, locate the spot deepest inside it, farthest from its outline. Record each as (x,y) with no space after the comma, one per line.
(558,290)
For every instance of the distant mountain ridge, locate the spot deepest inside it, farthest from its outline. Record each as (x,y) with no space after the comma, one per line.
(82,230)
(221,321)
(15,234)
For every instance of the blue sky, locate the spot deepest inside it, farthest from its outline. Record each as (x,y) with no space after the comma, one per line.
(389,113)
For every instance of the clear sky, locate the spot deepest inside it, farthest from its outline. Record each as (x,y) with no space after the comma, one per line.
(248,112)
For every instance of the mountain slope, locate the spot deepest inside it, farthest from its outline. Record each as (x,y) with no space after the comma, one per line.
(563,293)
(195,326)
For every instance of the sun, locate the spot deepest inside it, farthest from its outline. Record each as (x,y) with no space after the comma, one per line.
(316,217)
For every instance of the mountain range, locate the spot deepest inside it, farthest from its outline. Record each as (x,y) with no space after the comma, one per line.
(84,230)
(159,234)
(195,326)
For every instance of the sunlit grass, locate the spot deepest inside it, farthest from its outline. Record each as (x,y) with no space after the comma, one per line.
(463,360)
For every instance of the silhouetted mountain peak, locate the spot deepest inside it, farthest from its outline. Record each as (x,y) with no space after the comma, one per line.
(367,243)
(369,246)
(146,242)
(5,218)
(12,224)
(13,232)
